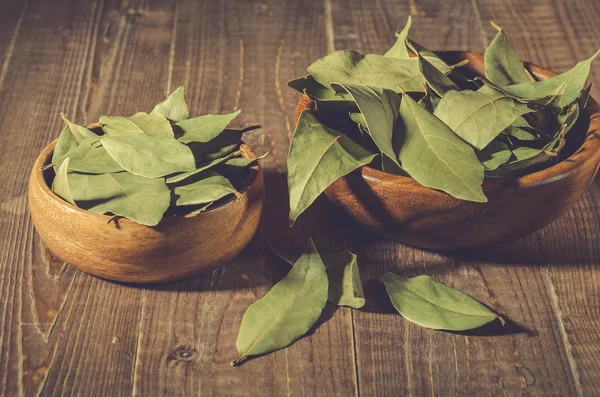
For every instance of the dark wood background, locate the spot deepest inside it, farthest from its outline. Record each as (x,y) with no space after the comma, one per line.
(63,332)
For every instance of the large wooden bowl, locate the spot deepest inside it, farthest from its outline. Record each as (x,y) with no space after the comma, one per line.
(403,210)
(176,248)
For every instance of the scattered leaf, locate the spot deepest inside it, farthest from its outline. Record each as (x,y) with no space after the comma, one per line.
(434,305)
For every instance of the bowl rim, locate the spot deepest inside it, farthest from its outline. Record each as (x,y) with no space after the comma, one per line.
(588,151)
(44,156)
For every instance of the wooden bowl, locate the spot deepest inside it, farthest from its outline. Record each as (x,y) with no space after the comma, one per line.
(176,248)
(403,210)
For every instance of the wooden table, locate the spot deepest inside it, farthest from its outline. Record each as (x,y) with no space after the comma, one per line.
(63,332)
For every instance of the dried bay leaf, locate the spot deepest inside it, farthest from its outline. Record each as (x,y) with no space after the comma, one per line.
(379,108)
(209,187)
(434,305)
(502,66)
(90,157)
(478,117)
(154,124)
(203,167)
(175,107)
(345,286)
(438,81)
(494,155)
(324,95)
(205,128)
(352,67)
(287,311)
(71,136)
(149,156)
(399,49)
(434,156)
(236,165)
(318,156)
(60,185)
(562,89)
(140,199)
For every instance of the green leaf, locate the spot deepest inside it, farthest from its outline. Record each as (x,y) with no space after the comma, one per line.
(317,92)
(380,110)
(175,107)
(222,145)
(140,199)
(287,311)
(318,156)
(434,305)
(236,165)
(90,157)
(434,156)
(502,66)
(149,156)
(345,287)
(203,167)
(154,124)
(399,49)
(351,67)
(60,185)
(494,155)
(209,188)
(70,137)
(204,128)
(438,81)
(476,117)
(564,88)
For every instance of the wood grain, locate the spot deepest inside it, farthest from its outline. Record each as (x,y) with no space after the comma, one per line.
(66,333)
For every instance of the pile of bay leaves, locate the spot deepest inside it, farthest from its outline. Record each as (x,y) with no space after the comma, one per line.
(294,305)
(409,113)
(150,165)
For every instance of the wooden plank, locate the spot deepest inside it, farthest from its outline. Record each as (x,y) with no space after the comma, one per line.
(428,362)
(558,36)
(230,55)
(62,331)
(10,24)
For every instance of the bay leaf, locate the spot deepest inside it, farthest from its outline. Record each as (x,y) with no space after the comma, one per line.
(563,89)
(352,67)
(223,144)
(90,157)
(494,155)
(140,199)
(236,165)
(379,108)
(438,81)
(175,107)
(149,156)
(584,96)
(318,156)
(434,305)
(203,167)
(204,128)
(60,185)
(70,137)
(287,311)
(324,95)
(521,134)
(399,49)
(345,286)
(154,124)
(402,50)
(435,157)
(209,187)
(502,66)
(476,117)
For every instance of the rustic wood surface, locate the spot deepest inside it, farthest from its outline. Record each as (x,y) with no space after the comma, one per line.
(63,332)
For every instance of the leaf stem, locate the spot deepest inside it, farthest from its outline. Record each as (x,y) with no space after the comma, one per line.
(47,166)
(239,360)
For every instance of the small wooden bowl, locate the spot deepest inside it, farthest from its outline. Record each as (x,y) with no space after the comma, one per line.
(403,210)
(176,248)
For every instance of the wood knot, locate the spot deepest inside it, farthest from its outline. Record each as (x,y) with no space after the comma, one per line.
(183,353)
